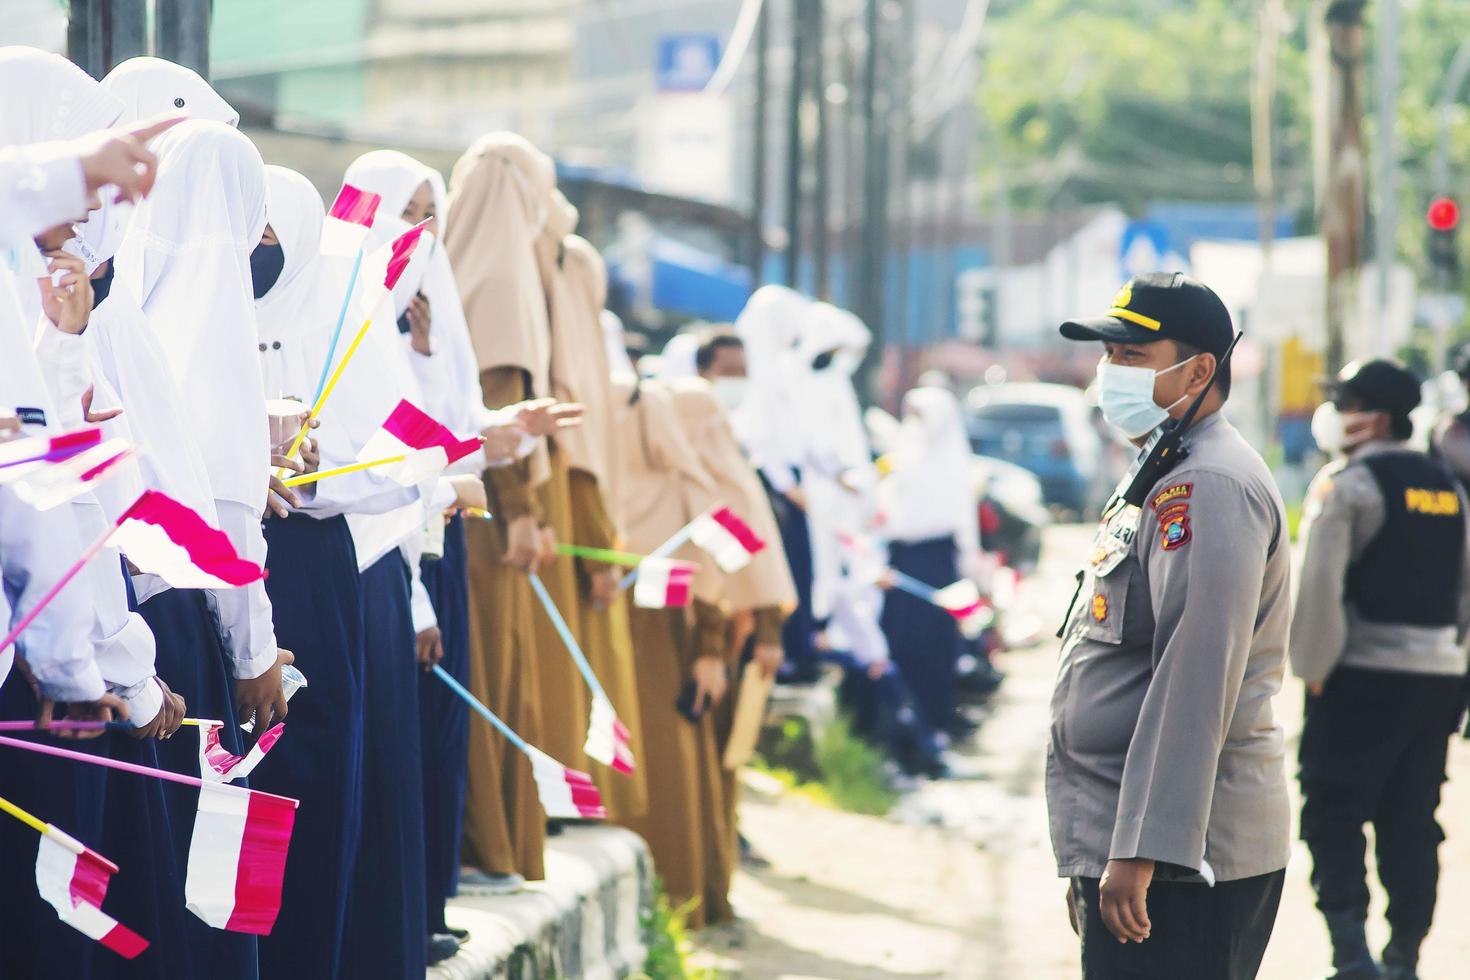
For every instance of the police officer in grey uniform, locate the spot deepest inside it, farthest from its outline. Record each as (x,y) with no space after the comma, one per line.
(1165,778)
(1378,637)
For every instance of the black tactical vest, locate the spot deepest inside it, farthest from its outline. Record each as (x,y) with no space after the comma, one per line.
(1410,573)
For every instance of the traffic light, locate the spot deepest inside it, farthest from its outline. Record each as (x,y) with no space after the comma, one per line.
(1443,217)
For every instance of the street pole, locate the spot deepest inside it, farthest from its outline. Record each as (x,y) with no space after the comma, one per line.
(875,208)
(102,33)
(760,146)
(901,191)
(821,157)
(1263,117)
(1341,197)
(181,32)
(1386,64)
(1454,82)
(794,161)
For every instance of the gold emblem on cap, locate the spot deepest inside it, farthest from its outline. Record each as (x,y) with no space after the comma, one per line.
(1124,297)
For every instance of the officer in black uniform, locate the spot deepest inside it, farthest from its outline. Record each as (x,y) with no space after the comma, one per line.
(1378,637)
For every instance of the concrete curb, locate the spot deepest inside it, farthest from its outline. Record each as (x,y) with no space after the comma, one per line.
(584,921)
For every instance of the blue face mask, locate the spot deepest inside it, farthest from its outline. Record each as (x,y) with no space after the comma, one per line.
(1126,397)
(266,263)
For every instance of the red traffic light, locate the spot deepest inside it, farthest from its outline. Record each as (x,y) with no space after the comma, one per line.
(1443,214)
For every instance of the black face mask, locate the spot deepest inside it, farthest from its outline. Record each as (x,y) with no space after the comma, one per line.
(102,285)
(266,263)
(823,360)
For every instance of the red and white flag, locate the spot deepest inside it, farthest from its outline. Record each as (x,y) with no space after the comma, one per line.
(237,857)
(663,582)
(20,456)
(728,539)
(566,794)
(218,764)
(608,738)
(73,879)
(162,536)
(56,483)
(384,266)
(425,445)
(348,220)
(963,601)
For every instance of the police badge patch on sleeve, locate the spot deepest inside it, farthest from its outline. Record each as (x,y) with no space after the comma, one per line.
(1174,531)
(1169,495)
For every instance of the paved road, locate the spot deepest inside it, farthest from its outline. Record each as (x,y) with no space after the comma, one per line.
(958,882)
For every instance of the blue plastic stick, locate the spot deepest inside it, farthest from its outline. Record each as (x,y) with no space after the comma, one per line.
(337,333)
(483,711)
(566,636)
(915,588)
(663,551)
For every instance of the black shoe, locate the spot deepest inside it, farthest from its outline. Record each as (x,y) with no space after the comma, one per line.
(441,947)
(750,858)
(1351,959)
(463,935)
(1401,959)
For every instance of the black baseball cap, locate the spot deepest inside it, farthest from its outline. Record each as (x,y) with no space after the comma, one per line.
(1161,306)
(1378,386)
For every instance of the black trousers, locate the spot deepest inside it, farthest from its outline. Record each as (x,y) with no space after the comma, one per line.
(1199,932)
(1373,750)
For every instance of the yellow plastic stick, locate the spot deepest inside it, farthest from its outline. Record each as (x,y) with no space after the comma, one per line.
(297,481)
(30,820)
(322,400)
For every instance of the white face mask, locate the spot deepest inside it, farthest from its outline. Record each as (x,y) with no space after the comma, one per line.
(1126,397)
(730,392)
(1330,428)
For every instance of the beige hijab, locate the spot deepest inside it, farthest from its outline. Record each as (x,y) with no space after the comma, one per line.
(496,210)
(662,483)
(766,581)
(579,368)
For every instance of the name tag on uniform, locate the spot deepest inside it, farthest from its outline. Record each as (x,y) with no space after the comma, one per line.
(1434,503)
(1114,538)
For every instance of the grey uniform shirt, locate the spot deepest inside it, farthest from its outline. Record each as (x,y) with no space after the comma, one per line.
(1163,742)
(1344,512)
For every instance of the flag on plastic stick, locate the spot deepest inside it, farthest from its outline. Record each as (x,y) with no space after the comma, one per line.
(608,739)
(384,266)
(19,456)
(73,879)
(728,539)
(963,601)
(237,858)
(348,220)
(218,764)
(565,793)
(664,582)
(162,536)
(56,483)
(426,445)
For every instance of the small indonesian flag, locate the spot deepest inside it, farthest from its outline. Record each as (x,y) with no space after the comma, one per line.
(426,445)
(663,582)
(162,536)
(237,857)
(55,484)
(608,738)
(73,879)
(728,539)
(962,600)
(20,456)
(218,764)
(566,794)
(347,223)
(384,266)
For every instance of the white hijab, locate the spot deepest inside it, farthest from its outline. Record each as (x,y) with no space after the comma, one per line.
(929,491)
(678,358)
(186,256)
(768,327)
(154,87)
(833,418)
(49,98)
(395,177)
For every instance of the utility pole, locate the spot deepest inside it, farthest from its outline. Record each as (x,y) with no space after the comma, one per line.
(181,32)
(821,231)
(900,154)
(1263,119)
(875,193)
(1342,174)
(794,155)
(1386,70)
(760,146)
(102,33)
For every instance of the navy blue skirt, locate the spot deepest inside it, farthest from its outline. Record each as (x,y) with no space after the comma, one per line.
(34,943)
(194,664)
(444,722)
(923,640)
(387,916)
(802,661)
(317,600)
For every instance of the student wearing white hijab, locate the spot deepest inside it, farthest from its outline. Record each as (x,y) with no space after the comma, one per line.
(187,249)
(152,87)
(773,438)
(927,512)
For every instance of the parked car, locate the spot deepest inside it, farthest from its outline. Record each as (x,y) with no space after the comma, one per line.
(1047,429)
